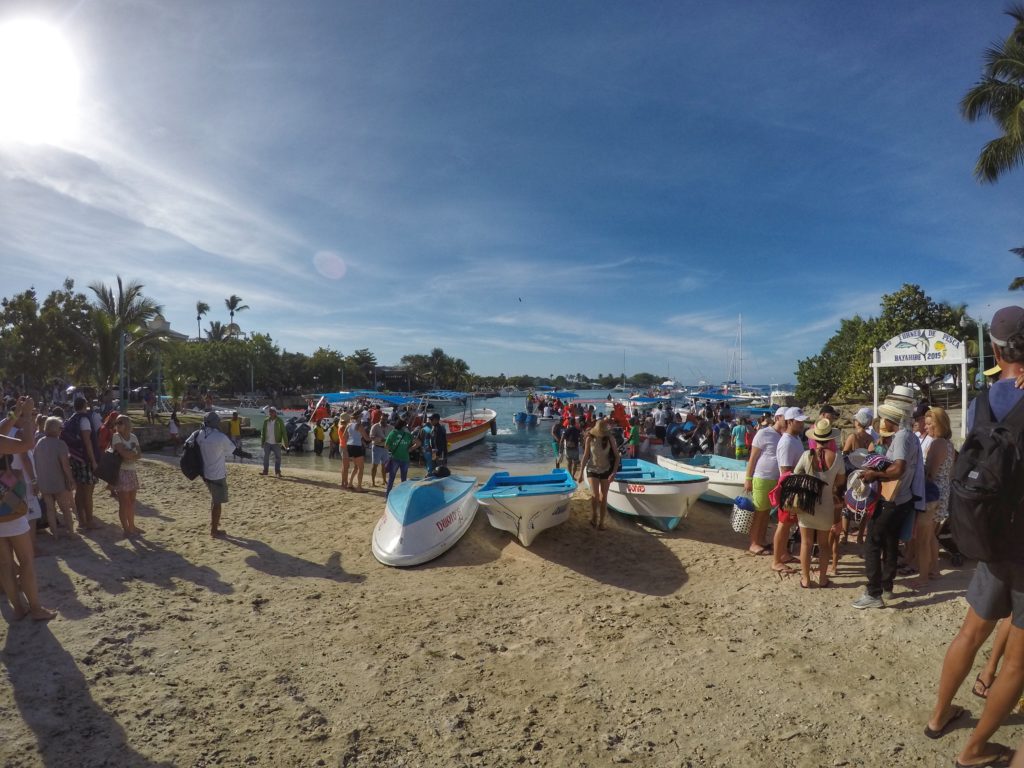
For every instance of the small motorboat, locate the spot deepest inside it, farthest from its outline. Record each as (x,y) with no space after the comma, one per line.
(725,476)
(524,419)
(660,497)
(525,505)
(424,519)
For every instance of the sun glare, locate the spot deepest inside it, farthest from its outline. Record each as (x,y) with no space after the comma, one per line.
(38,83)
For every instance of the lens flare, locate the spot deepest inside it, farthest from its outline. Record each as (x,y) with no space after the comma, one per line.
(330,265)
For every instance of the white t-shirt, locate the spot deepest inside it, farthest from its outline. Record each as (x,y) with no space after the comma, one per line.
(767,441)
(659,417)
(215,447)
(926,441)
(789,451)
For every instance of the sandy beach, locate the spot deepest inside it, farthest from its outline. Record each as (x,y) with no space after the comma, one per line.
(287,644)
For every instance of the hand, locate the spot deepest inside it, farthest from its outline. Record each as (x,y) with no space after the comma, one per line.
(748,485)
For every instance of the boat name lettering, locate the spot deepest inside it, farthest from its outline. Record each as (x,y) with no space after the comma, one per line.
(447,520)
(634,488)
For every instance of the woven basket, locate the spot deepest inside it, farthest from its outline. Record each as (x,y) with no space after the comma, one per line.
(741,519)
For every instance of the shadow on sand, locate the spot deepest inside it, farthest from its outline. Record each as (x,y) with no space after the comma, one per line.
(270,561)
(54,699)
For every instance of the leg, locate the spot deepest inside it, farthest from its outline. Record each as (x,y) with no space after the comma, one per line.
(873,554)
(360,463)
(833,546)
(23,551)
(277,458)
(122,512)
(392,471)
(806,549)
(344,468)
(758,529)
(986,677)
(891,543)
(50,501)
(603,509)
(780,556)
(215,509)
(266,457)
(131,512)
(8,582)
(957,664)
(67,505)
(405,470)
(1002,698)
(824,555)
(923,527)
(595,499)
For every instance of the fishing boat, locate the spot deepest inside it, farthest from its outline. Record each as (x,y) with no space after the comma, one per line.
(725,476)
(423,519)
(660,497)
(464,424)
(524,419)
(525,505)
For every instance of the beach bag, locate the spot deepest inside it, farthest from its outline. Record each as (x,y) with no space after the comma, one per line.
(108,468)
(861,498)
(742,514)
(986,500)
(801,490)
(191,461)
(12,495)
(71,434)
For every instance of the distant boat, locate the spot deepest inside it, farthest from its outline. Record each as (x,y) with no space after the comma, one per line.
(725,476)
(660,497)
(464,424)
(525,505)
(424,519)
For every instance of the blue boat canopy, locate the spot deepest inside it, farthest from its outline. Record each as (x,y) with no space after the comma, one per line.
(446,394)
(344,397)
(562,395)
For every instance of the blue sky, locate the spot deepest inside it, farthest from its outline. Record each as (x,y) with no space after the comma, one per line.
(535,187)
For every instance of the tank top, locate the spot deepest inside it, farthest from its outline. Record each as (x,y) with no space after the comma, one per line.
(600,460)
(942,479)
(352,436)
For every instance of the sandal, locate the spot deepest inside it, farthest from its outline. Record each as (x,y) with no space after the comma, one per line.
(808,585)
(760,553)
(998,759)
(956,713)
(980,689)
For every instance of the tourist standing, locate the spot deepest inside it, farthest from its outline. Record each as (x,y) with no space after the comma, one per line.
(356,439)
(379,432)
(397,443)
(78,433)
(318,439)
(570,447)
(938,464)
(438,441)
(556,441)
(126,445)
(762,476)
(739,438)
(601,461)
(787,454)
(235,432)
(823,462)
(885,525)
(995,590)
(174,430)
(53,472)
(272,437)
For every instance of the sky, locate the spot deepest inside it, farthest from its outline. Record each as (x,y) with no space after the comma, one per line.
(535,187)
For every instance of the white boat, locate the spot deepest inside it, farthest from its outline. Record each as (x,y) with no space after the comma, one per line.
(660,497)
(424,519)
(725,476)
(525,505)
(464,424)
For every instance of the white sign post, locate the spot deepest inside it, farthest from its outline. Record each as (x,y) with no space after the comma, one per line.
(924,346)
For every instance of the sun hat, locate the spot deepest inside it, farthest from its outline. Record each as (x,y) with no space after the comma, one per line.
(822,431)
(795,414)
(1006,322)
(863,417)
(781,411)
(212,420)
(600,429)
(892,413)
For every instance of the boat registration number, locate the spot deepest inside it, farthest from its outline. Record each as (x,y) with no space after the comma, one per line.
(635,488)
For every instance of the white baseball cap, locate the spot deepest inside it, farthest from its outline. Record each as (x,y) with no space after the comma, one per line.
(795,414)
(781,411)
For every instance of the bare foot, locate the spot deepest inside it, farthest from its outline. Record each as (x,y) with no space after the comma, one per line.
(19,613)
(42,614)
(137,531)
(218,533)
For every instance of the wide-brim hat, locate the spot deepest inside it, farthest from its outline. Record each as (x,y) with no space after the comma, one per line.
(822,431)
(892,412)
(600,429)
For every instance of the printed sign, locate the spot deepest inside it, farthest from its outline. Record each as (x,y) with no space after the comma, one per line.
(924,346)
(633,488)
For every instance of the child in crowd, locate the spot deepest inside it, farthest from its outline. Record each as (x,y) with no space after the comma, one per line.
(127,445)
(53,473)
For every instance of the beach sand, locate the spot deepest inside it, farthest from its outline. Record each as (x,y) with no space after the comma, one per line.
(287,644)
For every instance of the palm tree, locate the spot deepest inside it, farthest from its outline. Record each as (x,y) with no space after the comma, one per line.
(116,315)
(217,331)
(201,309)
(234,304)
(1000,95)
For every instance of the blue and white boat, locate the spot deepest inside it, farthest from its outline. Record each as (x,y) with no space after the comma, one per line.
(524,419)
(424,519)
(660,497)
(725,476)
(525,505)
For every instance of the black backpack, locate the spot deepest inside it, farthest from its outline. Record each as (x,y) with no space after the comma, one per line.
(986,500)
(191,457)
(71,434)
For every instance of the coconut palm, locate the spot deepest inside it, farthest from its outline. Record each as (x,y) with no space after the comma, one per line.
(1000,95)
(201,309)
(217,331)
(126,313)
(234,304)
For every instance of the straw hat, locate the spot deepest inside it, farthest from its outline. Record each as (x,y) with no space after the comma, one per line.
(601,429)
(892,412)
(822,431)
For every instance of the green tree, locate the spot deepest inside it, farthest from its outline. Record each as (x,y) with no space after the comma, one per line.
(999,95)
(201,309)
(116,314)
(217,331)
(234,304)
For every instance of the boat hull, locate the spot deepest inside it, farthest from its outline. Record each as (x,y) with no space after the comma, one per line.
(466,431)
(424,519)
(526,505)
(725,476)
(658,496)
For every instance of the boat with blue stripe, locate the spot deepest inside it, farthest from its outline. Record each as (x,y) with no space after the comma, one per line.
(725,475)
(656,495)
(525,505)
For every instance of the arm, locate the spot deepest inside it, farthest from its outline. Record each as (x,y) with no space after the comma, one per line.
(585,457)
(65,466)
(22,419)
(893,472)
(748,482)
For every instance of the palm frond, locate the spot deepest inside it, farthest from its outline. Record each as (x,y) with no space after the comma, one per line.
(1018,251)
(998,156)
(1005,61)
(1017,284)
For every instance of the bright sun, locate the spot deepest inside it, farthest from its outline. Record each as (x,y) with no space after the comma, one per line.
(38,83)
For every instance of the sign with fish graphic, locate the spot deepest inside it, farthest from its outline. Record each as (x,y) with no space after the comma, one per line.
(924,346)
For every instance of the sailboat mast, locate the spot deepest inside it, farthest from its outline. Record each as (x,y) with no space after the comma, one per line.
(740,332)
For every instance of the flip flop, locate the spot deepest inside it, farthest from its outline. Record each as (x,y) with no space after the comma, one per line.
(984,689)
(1002,757)
(958,712)
(763,553)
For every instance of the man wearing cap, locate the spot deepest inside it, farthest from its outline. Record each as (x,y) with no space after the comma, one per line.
(215,447)
(787,455)
(272,438)
(762,475)
(885,525)
(996,590)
